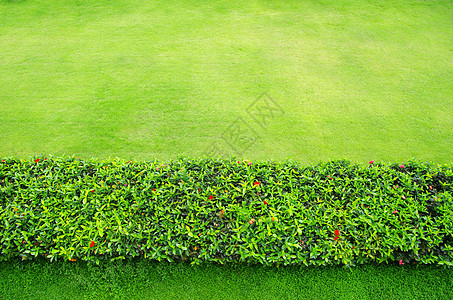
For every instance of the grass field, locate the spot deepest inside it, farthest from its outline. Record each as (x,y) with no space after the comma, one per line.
(355,79)
(361,80)
(151,280)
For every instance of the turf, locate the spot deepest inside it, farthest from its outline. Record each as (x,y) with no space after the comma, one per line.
(134,79)
(143,279)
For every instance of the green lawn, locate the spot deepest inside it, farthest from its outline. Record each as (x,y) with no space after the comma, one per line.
(141,279)
(355,79)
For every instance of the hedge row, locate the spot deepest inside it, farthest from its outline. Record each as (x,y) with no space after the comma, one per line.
(226,211)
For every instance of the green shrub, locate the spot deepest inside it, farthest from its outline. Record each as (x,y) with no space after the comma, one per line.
(226,211)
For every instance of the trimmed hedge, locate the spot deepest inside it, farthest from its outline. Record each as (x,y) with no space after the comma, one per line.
(226,211)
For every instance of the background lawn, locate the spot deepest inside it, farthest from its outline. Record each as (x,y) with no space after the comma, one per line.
(355,79)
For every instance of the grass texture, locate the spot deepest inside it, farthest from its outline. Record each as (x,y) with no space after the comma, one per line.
(142,279)
(139,79)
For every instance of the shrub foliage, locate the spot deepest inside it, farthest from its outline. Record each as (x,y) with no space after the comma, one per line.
(226,211)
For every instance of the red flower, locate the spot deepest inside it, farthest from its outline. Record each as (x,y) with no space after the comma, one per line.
(401,262)
(336,238)
(401,166)
(371,162)
(23,242)
(36,160)
(92,244)
(45,158)
(211,197)
(92,191)
(256,183)
(251,221)
(238,161)
(128,161)
(153,190)
(4,160)
(337,232)
(395,212)
(265,202)
(430,187)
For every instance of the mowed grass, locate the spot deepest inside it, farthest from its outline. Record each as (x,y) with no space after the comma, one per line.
(141,279)
(133,79)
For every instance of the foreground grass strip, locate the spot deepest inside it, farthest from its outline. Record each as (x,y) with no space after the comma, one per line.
(146,279)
